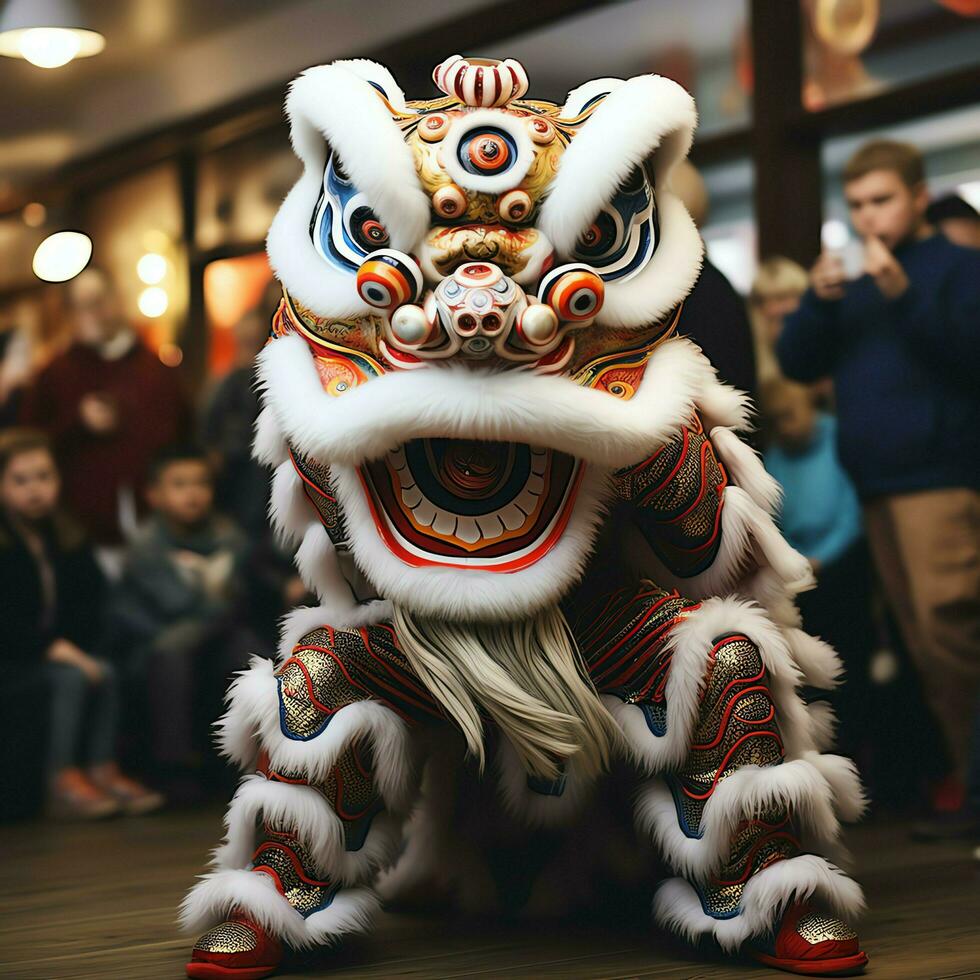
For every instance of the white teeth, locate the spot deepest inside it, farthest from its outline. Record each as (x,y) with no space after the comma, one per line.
(424,513)
(535,483)
(444,523)
(490,526)
(527,501)
(539,463)
(405,477)
(411,496)
(512,516)
(397,457)
(466,530)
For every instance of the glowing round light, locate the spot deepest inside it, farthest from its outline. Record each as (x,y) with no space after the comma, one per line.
(62,256)
(153,302)
(151,268)
(50,47)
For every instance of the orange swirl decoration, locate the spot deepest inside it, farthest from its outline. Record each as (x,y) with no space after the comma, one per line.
(387,279)
(574,292)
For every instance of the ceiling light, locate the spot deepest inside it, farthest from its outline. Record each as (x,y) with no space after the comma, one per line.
(47,33)
(151,268)
(153,302)
(62,256)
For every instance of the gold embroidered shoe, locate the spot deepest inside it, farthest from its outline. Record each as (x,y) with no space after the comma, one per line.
(814,945)
(238,948)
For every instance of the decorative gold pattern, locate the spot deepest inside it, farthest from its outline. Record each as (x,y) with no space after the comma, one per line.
(319,489)
(228,937)
(350,789)
(721,895)
(286,859)
(330,669)
(623,640)
(312,686)
(678,495)
(817,928)
(736,727)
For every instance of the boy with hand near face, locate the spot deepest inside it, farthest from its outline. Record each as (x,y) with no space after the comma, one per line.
(902,343)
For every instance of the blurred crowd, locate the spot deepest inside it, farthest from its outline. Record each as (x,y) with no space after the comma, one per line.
(139,572)
(136,563)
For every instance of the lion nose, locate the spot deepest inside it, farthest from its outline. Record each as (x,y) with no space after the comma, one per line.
(478,311)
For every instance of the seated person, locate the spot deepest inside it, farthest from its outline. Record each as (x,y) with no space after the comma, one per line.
(53,593)
(175,614)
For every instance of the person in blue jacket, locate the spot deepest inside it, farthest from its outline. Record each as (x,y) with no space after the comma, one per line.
(821,517)
(902,342)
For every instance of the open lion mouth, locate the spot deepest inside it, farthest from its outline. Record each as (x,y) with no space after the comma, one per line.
(499,506)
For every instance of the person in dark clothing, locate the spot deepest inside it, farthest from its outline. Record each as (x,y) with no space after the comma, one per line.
(53,592)
(241,484)
(714,317)
(903,345)
(176,613)
(108,405)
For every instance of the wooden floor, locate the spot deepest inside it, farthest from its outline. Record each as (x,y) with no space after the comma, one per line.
(98,901)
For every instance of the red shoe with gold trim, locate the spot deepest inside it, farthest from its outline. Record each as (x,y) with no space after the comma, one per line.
(814,945)
(238,948)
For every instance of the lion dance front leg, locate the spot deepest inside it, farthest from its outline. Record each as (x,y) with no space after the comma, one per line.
(740,801)
(329,736)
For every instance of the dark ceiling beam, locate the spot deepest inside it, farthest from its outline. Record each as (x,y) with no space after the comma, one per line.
(892,106)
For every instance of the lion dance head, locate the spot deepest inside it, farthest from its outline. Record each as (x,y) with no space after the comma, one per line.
(473,290)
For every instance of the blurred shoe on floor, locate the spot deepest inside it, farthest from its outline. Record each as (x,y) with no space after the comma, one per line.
(134,798)
(73,796)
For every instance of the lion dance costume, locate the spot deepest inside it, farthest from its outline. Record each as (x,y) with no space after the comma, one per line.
(535,537)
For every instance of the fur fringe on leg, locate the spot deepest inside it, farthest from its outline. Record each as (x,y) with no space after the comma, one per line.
(217,893)
(252,721)
(677,907)
(845,783)
(823,724)
(303,809)
(799,786)
(690,643)
(745,469)
(340,615)
(818,661)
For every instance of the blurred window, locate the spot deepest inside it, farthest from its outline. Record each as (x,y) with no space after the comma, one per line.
(240,188)
(700,43)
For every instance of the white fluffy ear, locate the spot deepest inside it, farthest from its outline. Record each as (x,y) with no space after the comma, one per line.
(379,77)
(344,105)
(580,98)
(645,119)
(647,116)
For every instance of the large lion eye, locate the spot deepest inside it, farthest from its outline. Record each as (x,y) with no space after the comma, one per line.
(487,151)
(367,231)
